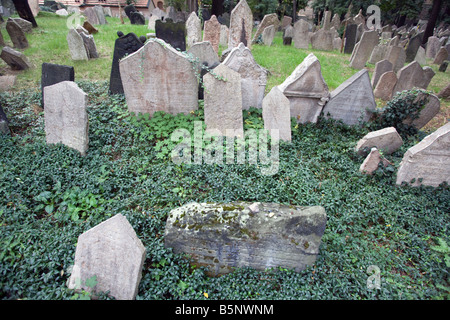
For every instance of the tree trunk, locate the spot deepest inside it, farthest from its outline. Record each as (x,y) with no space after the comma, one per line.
(294,11)
(437,5)
(24,11)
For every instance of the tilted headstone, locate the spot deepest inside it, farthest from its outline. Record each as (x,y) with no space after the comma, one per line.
(444,93)
(173,33)
(253,76)
(427,163)
(159,78)
(396,55)
(421,56)
(129,9)
(276,113)
(34,7)
(65,115)
(268,35)
(124,45)
(53,74)
(428,74)
(76,45)
(413,46)
(91,15)
(286,21)
(441,56)
(378,53)
(350,38)
(211,32)
(322,40)
(4,123)
(387,140)
(385,86)
(380,68)
(430,109)
(368,41)
(193,29)
(137,17)
(306,90)
(89,27)
(326,21)
(100,14)
(111,252)
(25,25)
(223,102)
(241,25)
(15,59)
(301,34)
(268,20)
(372,162)
(410,76)
(16,34)
(256,235)
(336,22)
(433,46)
(89,44)
(352,101)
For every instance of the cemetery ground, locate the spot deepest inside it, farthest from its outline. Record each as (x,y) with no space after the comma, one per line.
(51,194)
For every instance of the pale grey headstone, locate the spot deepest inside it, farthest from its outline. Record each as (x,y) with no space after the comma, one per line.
(387,140)
(276,113)
(193,29)
(76,45)
(241,25)
(369,40)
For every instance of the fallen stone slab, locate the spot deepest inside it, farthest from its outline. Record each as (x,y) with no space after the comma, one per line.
(244,234)
(387,139)
(372,162)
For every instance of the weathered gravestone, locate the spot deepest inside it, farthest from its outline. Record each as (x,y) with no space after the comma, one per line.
(429,110)
(268,20)
(443,66)
(372,162)
(421,56)
(387,140)
(129,9)
(76,45)
(224,32)
(253,76)
(111,252)
(385,86)
(286,21)
(34,7)
(15,59)
(378,53)
(241,24)
(66,119)
(24,11)
(241,234)
(173,33)
(137,17)
(193,29)
(124,45)
(444,93)
(159,78)
(4,123)
(89,44)
(350,38)
(326,20)
(380,68)
(352,101)
(306,90)
(322,40)
(211,32)
(25,25)
(100,14)
(276,113)
(16,34)
(413,75)
(396,55)
(428,162)
(89,27)
(433,45)
(91,16)
(268,35)
(288,34)
(441,56)
(223,102)
(413,46)
(301,34)
(53,74)
(368,41)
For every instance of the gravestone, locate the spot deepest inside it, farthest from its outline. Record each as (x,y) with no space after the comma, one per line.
(441,56)
(65,115)
(384,88)
(286,21)
(387,140)
(100,14)
(380,68)
(76,45)
(7,82)
(368,41)
(137,17)
(322,40)
(152,22)
(396,55)
(15,59)
(378,53)
(444,93)
(255,235)
(62,12)
(409,76)
(241,25)
(350,38)
(421,56)
(413,46)
(426,163)
(211,32)
(352,101)
(336,22)
(112,252)
(268,35)
(372,162)
(157,77)
(206,58)
(91,16)
(443,66)
(25,25)
(428,74)
(16,34)
(301,34)
(306,90)
(288,34)
(89,27)
(326,21)
(89,44)
(53,74)
(224,32)
(124,45)
(129,9)
(4,123)
(223,103)
(276,113)
(253,76)
(268,20)
(433,45)
(173,33)
(193,29)
(34,7)
(428,112)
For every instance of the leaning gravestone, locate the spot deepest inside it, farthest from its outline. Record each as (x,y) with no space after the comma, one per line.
(137,17)
(204,52)
(387,139)
(441,56)
(322,40)
(397,56)
(255,235)
(4,126)
(173,33)
(350,38)
(288,34)
(430,109)
(385,86)
(301,34)
(111,252)
(76,45)
(100,14)
(89,44)
(159,78)
(413,46)
(223,35)
(16,34)
(15,59)
(25,25)
(89,27)
(368,41)
(66,119)
(352,101)
(306,90)
(241,25)
(129,9)
(211,32)
(91,15)
(193,29)
(410,76)
(223,102)
(124,45)
(378,53)
(427,163)
(276,114)
(380,68)
(421,56)
(53,74)
(253,76)
(433,45)
(268,20)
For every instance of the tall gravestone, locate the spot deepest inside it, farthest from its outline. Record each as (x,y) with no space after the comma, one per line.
(385,86)
(253,76)
(159,78)
(380,68)
(173,33)
(211,32)
(65,115)
(100,14)
(268,35)
(112,252)
(409,76)
(350,38)
(241,25)
(413,46)
(91,16)
(276,113)
(76,45)
(397,56)
(362,52)
(433,45)
(352,101)
(306,90)
(322,40)
(193,29)
(301,34)
(53,74)
(16,34)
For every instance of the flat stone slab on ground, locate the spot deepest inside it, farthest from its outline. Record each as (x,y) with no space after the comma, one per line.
(387,140)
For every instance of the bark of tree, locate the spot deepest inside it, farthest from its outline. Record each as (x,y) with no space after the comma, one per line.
(435,9)
(24,11)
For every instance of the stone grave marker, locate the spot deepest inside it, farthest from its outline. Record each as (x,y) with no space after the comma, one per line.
(427,163)
(4,123)
(241,25)
(420,56)
(137,17)
(89,44)
(306,90)
(286,21)
(276,113)
(211,32)
(387,140)
(193,29)
(396,55)
(301,34)
(91,15)
(428,112)
(441,56)
(173,33)
(66,119)
(336,21)
(253,76)
(223,103)
(380,68)
(372,162)
(53,74)
(224,32)
(129,9)
(76,45)
(322,40)
(268,35)
(34,7)
(124,45)
(268,20)
(62,12)
(350,38)
(15,59)
(385,86)
(16,34)
(326,21)
(24,11)
(112,252)
(409,76)
(368,41)
(288,34)
(157,77)
(433,45)
(378,53)
(352,101)
(89,27)
(443,66)
(25,25)
(256,235)
(413,46)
